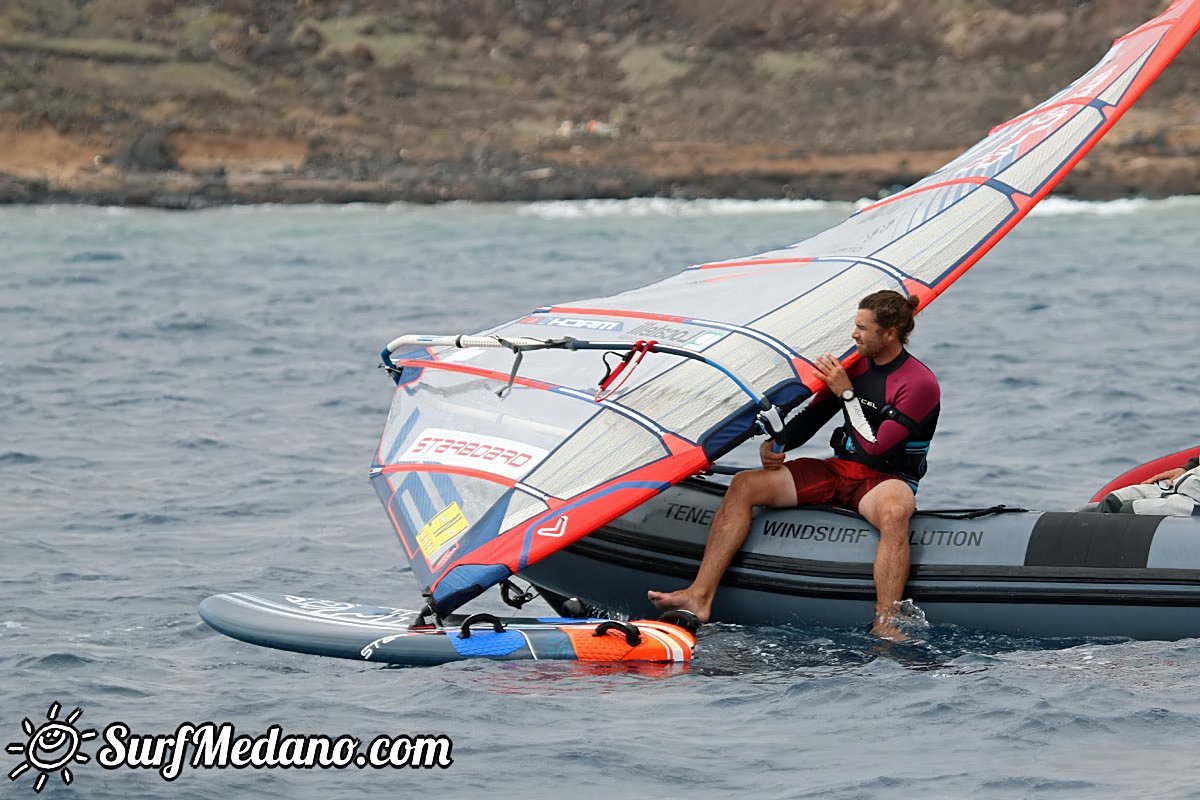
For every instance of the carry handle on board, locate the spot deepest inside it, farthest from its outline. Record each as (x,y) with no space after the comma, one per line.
(682,618)
(497,625)
(633,637)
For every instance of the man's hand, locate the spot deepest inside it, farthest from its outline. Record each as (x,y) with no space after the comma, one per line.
(770,459)
(833,373)
(1169,475)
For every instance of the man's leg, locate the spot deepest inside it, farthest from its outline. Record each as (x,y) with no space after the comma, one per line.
(889,507)
(1121,500)
(730,525)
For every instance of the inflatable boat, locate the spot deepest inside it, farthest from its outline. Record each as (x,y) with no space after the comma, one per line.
(1073,573)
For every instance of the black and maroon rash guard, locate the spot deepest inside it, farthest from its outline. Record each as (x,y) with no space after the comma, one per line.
(889,423)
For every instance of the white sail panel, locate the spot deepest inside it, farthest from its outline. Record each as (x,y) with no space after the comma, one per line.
(607,445)
(942,241)
(1029,173)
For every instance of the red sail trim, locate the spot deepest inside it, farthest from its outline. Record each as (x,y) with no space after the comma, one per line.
(479,372)
(756,274)
(615,312)
(753,263)
(931,187)
(1163,20)
(1033,112)
(465,472)
(809,375)
(584,514)
(677,445)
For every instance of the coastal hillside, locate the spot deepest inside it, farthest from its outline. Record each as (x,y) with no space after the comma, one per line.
(182,103)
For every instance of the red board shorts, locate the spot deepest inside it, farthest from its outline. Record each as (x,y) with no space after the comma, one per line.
(833,481)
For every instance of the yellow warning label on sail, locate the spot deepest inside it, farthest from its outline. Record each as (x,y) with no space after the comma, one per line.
(441,531)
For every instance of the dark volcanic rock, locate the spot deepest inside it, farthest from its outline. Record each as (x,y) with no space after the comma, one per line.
(150,153)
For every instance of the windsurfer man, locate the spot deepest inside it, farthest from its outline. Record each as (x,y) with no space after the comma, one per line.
(890,403)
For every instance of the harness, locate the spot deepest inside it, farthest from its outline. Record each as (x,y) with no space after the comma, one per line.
(910,465)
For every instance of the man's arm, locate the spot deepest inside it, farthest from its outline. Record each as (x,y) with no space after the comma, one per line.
(1172,474)
(913,399)
(890,433)
(810,419)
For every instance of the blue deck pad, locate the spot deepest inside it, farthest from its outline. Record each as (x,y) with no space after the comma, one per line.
(487,643)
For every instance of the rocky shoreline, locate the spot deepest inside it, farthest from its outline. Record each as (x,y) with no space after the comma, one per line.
(519,178)
(185,104)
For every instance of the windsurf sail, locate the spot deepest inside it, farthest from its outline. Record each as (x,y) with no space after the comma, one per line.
(486,466)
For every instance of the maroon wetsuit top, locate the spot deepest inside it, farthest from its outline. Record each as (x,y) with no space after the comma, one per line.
(889,423)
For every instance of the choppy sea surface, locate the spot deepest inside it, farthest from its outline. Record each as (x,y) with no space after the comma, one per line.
(189,403)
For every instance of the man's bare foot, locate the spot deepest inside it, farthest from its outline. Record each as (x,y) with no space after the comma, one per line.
(886,631)
(885,628)
(682,599)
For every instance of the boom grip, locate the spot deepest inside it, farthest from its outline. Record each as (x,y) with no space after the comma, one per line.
(421,340)
(770,419)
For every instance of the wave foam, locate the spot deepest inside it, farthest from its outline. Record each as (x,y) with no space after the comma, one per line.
(1065,206)
(669,207)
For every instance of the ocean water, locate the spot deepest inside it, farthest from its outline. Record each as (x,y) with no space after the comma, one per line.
(190,402)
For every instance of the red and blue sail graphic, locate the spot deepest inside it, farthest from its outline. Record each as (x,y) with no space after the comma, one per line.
(486,466)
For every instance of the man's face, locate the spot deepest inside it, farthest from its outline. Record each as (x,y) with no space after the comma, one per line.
(868,336)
